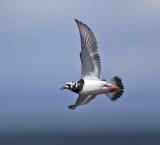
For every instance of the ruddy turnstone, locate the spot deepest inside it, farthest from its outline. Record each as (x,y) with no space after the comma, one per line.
(91,84)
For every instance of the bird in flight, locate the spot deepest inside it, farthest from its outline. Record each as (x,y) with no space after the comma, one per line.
(91,84)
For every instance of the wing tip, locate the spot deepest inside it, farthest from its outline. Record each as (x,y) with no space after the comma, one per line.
(78,22)
(75,19)
(81,23)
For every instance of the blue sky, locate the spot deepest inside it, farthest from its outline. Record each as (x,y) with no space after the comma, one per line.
(39,52)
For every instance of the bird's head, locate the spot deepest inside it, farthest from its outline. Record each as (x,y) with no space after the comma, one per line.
(69,85)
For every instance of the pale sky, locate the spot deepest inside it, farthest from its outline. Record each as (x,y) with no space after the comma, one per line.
(39,53)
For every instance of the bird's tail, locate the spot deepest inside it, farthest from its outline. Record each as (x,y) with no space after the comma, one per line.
(117,82)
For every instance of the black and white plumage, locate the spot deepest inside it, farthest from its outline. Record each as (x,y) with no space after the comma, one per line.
(91,84)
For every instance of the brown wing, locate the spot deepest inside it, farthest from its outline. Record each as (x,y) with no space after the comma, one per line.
(82,100)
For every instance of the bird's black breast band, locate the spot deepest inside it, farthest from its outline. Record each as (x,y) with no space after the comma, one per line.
(79,87)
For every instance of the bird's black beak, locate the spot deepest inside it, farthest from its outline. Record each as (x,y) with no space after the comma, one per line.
(63,88)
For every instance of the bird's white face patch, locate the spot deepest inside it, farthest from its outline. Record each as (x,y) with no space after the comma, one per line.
(71,84)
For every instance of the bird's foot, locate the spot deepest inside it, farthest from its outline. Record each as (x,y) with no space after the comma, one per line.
(72,107)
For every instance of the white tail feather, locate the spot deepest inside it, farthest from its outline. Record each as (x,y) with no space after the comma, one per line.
(117,82)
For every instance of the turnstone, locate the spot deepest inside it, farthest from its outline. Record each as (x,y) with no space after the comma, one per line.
(90,85)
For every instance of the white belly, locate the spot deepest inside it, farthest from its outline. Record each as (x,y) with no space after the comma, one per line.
(93,87)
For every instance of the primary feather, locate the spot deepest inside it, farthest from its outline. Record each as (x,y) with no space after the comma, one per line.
(90,59)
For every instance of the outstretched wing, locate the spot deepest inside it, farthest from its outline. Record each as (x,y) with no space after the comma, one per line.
(82,100)
(90,59)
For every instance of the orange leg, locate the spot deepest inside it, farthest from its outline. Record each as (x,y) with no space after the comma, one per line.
(112,89)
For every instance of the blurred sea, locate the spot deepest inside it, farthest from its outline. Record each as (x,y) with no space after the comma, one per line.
(81,139)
